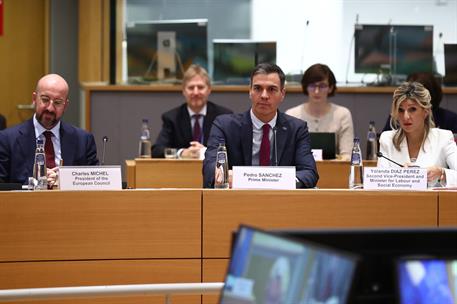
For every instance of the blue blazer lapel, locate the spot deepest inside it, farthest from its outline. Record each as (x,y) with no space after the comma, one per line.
(68,143)
(282,127)
(27,145)
(246,138)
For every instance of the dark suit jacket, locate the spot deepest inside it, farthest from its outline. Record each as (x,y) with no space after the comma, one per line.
(293,146)
(17,150)
(177,129)
(2,122)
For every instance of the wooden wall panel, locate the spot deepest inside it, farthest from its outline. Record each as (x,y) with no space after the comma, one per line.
(23,55)
(64,225)
(93,40)
(310,208)
(447,208)
(113,272)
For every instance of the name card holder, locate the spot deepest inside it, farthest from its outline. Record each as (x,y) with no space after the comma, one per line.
(395,179)
(90,178)
(257,177)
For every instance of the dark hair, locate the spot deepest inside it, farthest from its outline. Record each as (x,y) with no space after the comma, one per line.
(431,84)
(318,72)
(269,68)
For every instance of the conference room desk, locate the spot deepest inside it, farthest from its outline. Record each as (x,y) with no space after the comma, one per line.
(179,173)
(164,173)
(223,211)
(69,238)
(66,238)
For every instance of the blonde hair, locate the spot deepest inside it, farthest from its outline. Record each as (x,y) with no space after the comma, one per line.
(193,71)
(416,92)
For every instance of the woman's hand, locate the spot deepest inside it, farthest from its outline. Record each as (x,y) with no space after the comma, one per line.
(436,173)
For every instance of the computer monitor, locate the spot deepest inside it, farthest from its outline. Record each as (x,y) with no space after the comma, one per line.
(393,49)
(268,268)
(426,280)
(325,141)
(234,60)
(163,50)
(379,250)
(450,64)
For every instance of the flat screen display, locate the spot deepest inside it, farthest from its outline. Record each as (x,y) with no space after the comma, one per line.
(426,281)
(267,269)
(450,64)
(393,49)
(163,50)
(379,251)
(234,60)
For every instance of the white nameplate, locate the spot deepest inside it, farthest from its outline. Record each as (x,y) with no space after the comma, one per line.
(257,177)
(395,179)
(90,178)
(317,154)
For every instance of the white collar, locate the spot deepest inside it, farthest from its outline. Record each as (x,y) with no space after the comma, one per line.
(258,124)
(39,129)
(202,112)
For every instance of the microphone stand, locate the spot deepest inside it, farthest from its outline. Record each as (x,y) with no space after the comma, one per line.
(105,139)
(379,154)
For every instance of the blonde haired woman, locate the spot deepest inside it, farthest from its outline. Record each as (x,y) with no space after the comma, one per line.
(414,140)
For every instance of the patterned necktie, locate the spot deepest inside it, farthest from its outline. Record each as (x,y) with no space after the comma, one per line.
(264,155)
(49,150)
(197,132)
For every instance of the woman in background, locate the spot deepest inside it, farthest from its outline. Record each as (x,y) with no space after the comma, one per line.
(319,83)
(414,139)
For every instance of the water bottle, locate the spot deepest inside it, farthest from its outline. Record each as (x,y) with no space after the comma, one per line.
(144,150)
(39,167)
(356,174)
(221,177)
(372,143)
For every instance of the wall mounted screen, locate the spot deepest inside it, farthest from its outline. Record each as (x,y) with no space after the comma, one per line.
(234,60)
(163,50)
(393,49)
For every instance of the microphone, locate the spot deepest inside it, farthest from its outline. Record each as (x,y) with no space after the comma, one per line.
(379,154)
(275,145)
(105,140)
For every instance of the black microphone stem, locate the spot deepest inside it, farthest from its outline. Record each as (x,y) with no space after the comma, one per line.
(105,139)
(379,154)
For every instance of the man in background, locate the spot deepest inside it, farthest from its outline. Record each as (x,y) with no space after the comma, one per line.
(187,127)
(263,135)
(63,142)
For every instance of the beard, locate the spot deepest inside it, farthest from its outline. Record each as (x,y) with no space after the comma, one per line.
(47,119)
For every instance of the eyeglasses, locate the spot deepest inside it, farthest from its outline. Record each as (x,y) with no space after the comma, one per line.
(58,103)
(320,86)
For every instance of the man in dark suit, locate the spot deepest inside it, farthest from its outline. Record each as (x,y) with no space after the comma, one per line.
(187,126)
(246,141)
(2,122)
(66,143)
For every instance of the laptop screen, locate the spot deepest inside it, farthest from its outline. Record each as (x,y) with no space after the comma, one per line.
(326,141)
(422,281)
(269,269)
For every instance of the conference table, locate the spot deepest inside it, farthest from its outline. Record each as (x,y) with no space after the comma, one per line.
(186,173)
(137,236)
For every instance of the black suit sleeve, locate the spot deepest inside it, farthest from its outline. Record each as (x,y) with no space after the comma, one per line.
(91,150)
(164,139)
(4,158)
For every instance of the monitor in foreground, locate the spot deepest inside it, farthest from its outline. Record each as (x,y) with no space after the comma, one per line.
(427,281)
(379,250)
(267,269)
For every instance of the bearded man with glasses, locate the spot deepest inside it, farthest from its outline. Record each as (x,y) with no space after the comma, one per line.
(63,142)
